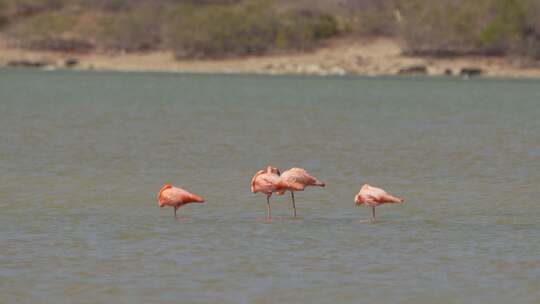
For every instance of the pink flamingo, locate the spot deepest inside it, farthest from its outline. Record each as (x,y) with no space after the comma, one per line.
(176,197)
(299,175)
(268,181)
(374,197)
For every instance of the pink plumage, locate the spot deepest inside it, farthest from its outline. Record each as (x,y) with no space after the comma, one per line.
(373,197)
(175,197)
(268,181)
(299,175)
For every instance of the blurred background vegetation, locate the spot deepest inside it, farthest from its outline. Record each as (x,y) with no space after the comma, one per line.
(227,28)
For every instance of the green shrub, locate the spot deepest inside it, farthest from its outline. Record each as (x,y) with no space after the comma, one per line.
(3,13)
(531,40)
(33,7)
(45,25)
(371,17)
(250,28)
(138,29)
(465,27)
(221,30)
(49,31)
(506,26)
(302,29)
(109,5)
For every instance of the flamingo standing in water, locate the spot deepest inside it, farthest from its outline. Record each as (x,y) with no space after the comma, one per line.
(299,175)
(170,195)
(268,181)
(374,197)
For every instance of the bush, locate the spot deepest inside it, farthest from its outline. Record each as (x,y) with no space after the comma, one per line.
(300,30)
(109,5)
(220,30)
(138,29)
(371,17)
(251,28)
(50,31)
(3,13)
(26,8)
(462,27)
(530,46)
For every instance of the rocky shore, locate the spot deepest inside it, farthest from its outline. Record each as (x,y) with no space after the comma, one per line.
(369,57)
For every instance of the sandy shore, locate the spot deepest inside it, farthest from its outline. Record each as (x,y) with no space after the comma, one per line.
(372,57)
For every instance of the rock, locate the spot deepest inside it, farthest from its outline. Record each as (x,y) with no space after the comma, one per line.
(337,71)
(448,72)
(268,66)
(470,71)
(413,70)
(24,63)
(312,69)
(71,62)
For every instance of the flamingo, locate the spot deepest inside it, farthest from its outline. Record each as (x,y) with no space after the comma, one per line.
(268,181)
(299,175)
(170,195)
(373,196)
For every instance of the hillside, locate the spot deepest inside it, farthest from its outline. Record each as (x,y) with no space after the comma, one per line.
(275,36)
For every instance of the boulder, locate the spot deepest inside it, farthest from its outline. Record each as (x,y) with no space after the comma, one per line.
(418,69)
(312,69)
(470,71)
(25,63)
(71,62)
(337,71)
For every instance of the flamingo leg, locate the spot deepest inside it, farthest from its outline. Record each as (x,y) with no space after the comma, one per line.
(268,208)
(372,214)
(175,212)
(293,205)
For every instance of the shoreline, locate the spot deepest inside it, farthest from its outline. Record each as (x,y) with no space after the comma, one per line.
(362,57)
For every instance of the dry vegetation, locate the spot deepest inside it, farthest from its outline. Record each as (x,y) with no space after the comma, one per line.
(485,27)
(231,28)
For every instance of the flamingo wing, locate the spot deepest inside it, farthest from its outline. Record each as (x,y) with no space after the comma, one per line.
(265,182)
(299,175)
(173,195)
(255,179)
(380,196)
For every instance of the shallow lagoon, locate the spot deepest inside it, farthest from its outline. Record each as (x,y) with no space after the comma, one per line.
(82,155)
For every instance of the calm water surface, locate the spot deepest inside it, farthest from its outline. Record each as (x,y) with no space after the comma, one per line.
(82,155)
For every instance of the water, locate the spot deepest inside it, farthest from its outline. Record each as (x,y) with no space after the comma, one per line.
(82,155)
